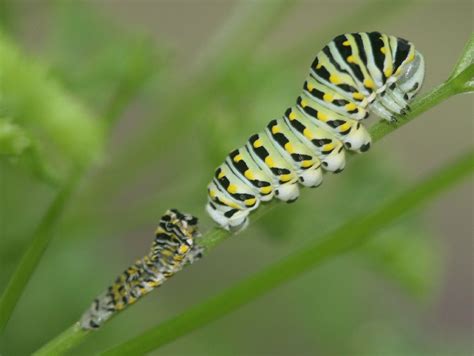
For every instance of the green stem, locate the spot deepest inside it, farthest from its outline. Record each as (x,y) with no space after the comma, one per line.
(35,250)
(344,239)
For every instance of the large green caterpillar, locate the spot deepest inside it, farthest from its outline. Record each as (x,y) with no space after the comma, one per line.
(172,249)
(354,75)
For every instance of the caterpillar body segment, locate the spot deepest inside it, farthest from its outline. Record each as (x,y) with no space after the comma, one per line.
(306,165)
(325,146)
(351,132)
(172,249)
(353,76)
(249,171)
(333,100)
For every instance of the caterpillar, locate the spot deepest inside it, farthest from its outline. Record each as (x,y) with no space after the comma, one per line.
(172,249)
(354,75)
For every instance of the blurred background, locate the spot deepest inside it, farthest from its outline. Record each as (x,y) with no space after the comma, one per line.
(149,97)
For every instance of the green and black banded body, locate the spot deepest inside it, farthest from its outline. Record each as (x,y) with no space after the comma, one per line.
(353,76)
(172,249)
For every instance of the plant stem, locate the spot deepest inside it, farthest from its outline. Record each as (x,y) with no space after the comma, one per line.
(344,239)
(35,250)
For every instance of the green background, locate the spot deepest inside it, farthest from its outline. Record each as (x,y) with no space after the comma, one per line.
(175,87)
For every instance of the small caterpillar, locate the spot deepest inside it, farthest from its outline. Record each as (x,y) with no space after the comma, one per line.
(354,75)
(172,249)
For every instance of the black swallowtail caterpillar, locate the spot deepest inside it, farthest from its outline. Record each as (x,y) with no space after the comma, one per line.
(354,75)
(172,249)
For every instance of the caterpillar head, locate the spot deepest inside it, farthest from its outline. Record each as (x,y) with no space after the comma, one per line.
(411,79)
(178,225)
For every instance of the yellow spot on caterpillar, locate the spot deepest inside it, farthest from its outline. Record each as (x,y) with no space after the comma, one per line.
(328,147)
(183,249)
(249,175)
(167,253)
(221,175)
(257,143)
(307,133)
(319,66)
(383,50)
(276,129)
(292,116)
(232,205)
(304,103)
(310,86)
(232,188)
(322,116)
(328,97)
(266,190)
(344,127)
(388,72)
(411,57)
(238,158)
(359,96)
(285,178)
(250,202)
(350,59)
(269,162)
(351,106)
(346,43)
(334,79)
(289,147)
(368,83)
(306,164)
(212,193)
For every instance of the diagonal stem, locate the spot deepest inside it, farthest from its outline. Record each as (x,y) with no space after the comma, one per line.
(342,240)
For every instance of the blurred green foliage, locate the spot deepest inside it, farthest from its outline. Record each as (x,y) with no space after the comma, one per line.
(62,109)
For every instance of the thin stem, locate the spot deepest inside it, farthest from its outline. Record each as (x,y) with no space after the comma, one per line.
(344,239)
(35,250)
(466,59)
(65,341)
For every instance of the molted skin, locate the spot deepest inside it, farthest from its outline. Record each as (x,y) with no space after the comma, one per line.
(172,249)
(353,76)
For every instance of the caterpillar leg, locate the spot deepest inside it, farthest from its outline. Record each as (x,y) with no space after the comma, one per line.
(288,192)
(228,218)
(390,102)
